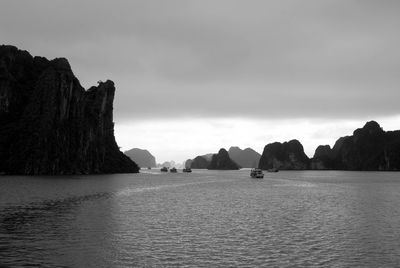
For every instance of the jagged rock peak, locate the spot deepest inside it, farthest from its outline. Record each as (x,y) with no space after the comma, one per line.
(322,151)
(372,125)
(370,128)
(61,64)
(223,152)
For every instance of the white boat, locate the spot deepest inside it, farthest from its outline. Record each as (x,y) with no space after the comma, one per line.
(256,173)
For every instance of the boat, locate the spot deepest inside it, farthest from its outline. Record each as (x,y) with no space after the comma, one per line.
(173,170)
(164,169)
(187,170)
(273,170)
(148,167)
(256,173)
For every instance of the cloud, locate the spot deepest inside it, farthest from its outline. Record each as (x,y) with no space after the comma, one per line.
(255,59)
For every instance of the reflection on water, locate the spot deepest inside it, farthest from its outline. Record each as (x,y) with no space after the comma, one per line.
(202,219)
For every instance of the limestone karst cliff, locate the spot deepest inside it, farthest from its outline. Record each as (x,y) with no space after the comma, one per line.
(247,158)
(288,155)
(199,162)
(222,161)
(49,124)
(141,157)
(322,158)
(369,148)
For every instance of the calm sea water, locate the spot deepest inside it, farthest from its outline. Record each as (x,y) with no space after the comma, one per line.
(202,219)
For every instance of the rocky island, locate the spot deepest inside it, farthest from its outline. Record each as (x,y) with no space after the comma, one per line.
(50,125)
(199,162)
(288,155)
(369,148)
(141,157)
(247,158)
(222,161)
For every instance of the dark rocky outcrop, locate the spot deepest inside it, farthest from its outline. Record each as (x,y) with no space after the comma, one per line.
(369,148)
(49,124)
(286,156)
(199,162)
(322,158)
(222,161)
(247,158)
(141,157)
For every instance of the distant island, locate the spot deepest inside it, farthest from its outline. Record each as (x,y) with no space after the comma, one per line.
(222,161)
(288,155)
(218,161)
(50,124)
(141,157)
(369,148)
(199,162)
(247,158)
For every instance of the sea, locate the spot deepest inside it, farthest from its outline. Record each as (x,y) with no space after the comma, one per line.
(201,219)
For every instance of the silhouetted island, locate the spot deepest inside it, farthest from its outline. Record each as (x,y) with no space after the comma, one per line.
(199,162)
(369,148)
(50,124)
(247,158)
(141,157)
(288,155)
(222,161)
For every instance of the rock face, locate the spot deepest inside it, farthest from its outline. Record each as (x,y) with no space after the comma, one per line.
(49,124)
(247,158)
(199,162)
(369,148)
(322,158)
(222,161)
(188,163)
(287,156)
(141,157)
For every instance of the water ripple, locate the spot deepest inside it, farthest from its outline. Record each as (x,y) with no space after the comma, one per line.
(207,219)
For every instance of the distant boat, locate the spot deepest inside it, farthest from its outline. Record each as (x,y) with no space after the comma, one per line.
(148,167)
(173,170)
(187,170)
(256,173)
(273,170)
(164,169)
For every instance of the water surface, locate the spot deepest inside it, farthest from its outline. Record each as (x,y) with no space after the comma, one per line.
(202,219)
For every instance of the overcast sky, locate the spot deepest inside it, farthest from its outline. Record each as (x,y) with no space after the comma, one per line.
(194,76)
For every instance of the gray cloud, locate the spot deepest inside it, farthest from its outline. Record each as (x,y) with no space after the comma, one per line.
(267,59)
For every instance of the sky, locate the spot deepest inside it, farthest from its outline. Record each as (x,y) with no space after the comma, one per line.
(195,76)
